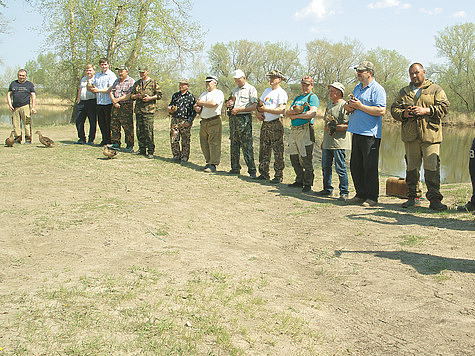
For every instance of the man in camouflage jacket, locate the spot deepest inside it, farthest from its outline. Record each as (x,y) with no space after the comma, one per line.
(145,92)
(420,107)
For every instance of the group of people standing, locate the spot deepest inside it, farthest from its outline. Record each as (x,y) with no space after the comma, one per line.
(420,107)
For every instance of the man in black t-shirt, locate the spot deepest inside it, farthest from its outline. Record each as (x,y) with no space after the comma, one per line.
(21,99)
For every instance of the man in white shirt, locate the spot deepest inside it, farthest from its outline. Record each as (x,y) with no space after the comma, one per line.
(243,103)
(102,86)
(209,106)
(270,109)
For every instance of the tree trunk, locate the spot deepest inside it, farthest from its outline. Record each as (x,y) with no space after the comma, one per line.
(112,46)
(139,33)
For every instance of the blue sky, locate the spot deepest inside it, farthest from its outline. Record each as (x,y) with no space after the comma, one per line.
(406,26)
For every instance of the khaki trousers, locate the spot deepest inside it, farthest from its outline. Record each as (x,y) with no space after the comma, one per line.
(22,114)
(210,139)
(418,152)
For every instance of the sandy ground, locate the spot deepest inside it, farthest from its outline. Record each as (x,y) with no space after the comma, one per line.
(368,281)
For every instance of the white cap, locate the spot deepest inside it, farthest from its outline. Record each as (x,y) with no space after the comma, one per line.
(238,74)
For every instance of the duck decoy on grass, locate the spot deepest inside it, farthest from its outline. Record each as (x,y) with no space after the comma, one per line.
(10,140)
(45,140)
(109,153)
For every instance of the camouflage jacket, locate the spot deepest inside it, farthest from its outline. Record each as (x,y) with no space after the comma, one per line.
(428,128)
(150,87)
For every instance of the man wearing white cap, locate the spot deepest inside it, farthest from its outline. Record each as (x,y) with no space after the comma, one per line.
(270,110)
(209,105)
(240,124)
(335,142)
(367,107)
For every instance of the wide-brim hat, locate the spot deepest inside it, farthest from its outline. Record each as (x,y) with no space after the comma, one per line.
(276,73)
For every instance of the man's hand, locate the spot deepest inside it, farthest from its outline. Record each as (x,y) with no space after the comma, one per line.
(33,111)
(116,105)
(197,108)
(419,111)
(260,116)
(355,104)
(11,107)
(186,123)
(94,90)
(146,98)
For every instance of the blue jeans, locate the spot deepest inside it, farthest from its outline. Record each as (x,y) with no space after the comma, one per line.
(340,168)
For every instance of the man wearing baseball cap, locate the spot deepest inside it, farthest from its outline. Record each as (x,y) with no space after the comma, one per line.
(240,124)
(182,113)
(209,105)
(270,110)
(146,92)
(335,142)
(367,107)
(122,109)
(302,136)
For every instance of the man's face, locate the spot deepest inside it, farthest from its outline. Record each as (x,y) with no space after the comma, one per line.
(22,76)
(417,75)
(274,80)
(104,66)
(90,72)
(240,81)
(306,88)
(122,73)
(144,74)
(184,87)
(211,85)
(334,93)
(363,75)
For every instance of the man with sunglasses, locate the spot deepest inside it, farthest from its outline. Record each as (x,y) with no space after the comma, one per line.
(367,106)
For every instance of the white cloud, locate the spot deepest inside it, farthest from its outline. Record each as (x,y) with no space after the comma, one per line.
(389,3)
(317,9)
(459,14)
(431,12)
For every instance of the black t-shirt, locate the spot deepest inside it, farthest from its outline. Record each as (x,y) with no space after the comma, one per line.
(21,92)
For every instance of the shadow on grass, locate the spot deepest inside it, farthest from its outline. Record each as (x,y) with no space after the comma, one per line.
(422,262)
(405,218)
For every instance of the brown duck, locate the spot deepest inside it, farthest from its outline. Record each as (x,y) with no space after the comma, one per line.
(109,153)
(45,140)
(10,140)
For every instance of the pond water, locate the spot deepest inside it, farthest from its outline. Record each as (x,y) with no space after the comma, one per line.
(453,155)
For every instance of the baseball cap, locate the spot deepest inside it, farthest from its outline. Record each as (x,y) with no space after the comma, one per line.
(143,68)
(210,78)
(365,65)
(337,85)
(122,67)
(307,80)
(184,81)
(238,74)
(276,73)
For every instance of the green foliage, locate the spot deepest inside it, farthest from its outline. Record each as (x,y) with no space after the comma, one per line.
(456,76)
(328,62)
(391,70)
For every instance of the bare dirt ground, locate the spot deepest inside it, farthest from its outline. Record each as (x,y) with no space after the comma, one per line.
(137,256)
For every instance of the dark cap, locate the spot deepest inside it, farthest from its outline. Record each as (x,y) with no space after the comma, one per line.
(210,78)
(276,73)
(143,69)
(365,65)
(122,67)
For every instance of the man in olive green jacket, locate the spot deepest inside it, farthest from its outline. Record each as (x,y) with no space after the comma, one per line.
(420,107)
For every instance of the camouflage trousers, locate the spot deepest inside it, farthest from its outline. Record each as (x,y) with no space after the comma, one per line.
(177,132)
(240,134)
(123,117)
(144,126)
(272,139)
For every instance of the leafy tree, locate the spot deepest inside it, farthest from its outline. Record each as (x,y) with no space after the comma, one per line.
(126,31)
(456,76)
(390,70)
(328,62)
